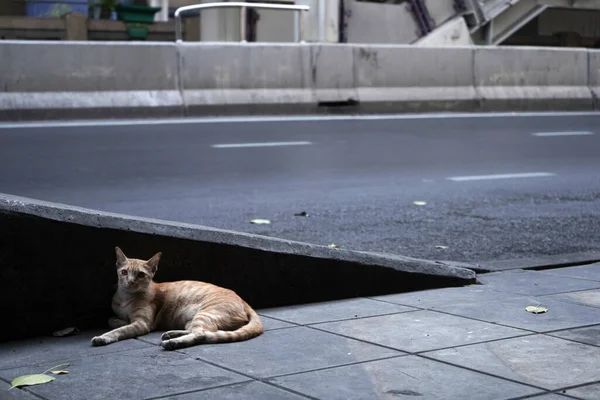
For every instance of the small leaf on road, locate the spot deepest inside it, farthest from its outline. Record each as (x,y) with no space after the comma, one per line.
(536,309)
(60,372)
(260,221)
(65,332)
(334,246)
(441,247)
(56,366)
(301,214)
(419,203)
(30,380)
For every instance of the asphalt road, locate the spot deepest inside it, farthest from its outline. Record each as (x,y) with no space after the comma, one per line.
(357,179)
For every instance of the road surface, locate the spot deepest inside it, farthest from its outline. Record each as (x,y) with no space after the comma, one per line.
(487,187)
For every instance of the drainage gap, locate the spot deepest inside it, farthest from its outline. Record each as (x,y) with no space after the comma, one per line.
(563,265)
(338,104)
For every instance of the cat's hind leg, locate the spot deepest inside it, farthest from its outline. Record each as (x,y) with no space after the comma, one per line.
(173,334)
(195,334)
(188,340)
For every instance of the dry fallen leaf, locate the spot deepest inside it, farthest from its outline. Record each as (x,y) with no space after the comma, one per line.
(419,203)
(65,332)
(536,309)
(259,221)
(334,246)
(60,372)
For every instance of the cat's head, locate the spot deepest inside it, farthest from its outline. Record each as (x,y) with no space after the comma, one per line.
(135,275)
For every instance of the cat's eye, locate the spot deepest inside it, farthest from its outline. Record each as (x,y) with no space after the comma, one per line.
(123,272)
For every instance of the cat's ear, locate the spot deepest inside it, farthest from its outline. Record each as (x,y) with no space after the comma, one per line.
(153,262)
(121,259)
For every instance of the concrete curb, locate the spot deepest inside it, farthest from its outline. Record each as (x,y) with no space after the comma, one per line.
(75,80)
(57,265)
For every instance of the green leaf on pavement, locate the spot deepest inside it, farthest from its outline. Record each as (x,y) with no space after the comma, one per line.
(38,379)
(30,380)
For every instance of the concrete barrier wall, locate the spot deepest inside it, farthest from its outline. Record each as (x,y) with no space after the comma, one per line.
(57,265)
(532,79)
(45,80)
(87,79)
(594,78)
(413,79)
(233,78)
(332,74)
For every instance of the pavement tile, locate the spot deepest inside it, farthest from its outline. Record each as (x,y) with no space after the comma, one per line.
(534,283)
(269,323)
(589,392)
(44,349)
(420,330)
(537,360)
(151,338)
(589,298)
(334,310)
(590,272)
(589,335)
(285,351)
(402,377)
(431,299)
(15,394)
(241,391)
(133,374)
(511,312)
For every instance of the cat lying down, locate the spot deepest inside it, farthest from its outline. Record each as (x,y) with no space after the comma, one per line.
(191,312)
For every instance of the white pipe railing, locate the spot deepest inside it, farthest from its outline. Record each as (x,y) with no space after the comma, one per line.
(298,9)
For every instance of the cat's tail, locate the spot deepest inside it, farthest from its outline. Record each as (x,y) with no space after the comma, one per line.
(252,329)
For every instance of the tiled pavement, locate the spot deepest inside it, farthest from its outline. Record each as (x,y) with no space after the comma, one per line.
(475,342)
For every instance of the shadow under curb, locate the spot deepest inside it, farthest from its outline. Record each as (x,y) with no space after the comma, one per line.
(57,265)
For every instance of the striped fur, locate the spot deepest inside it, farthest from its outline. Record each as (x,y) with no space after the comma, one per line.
(191,312)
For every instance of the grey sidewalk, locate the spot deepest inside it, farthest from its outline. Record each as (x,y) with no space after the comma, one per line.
(475,342)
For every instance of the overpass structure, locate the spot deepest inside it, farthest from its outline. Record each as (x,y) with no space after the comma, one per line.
(418,22)
(457,22)
(493,21)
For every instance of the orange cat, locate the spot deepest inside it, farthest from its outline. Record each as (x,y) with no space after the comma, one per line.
(197,312)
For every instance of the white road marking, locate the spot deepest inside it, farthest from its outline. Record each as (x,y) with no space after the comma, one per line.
(573,133)
(289,118)
(500,176)
(263,144)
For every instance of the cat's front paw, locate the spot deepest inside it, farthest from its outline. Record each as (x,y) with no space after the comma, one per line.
(100,341)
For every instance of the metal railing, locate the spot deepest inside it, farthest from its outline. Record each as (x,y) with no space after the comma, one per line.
(298,9)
